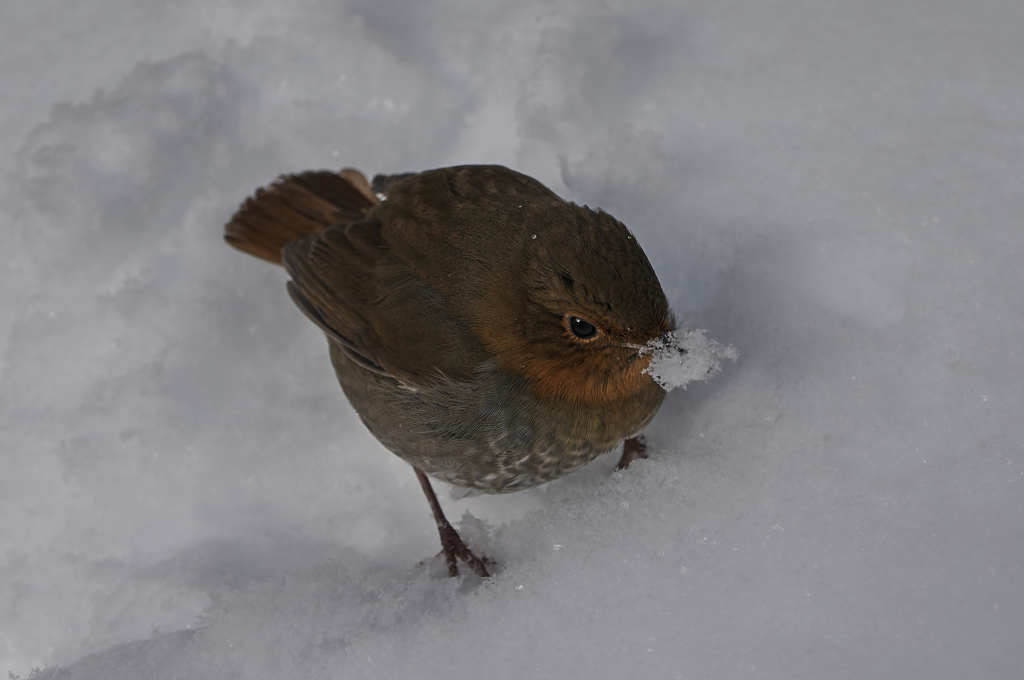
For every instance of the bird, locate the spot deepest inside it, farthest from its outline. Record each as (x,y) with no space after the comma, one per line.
(485,330)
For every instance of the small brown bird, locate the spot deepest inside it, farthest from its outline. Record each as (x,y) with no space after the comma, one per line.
(486,331)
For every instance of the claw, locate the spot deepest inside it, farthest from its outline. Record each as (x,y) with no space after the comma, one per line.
(455,549)
(632,448)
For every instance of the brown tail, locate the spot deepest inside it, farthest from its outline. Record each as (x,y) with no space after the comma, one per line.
(295,206)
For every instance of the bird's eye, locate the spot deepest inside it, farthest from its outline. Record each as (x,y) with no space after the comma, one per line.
(584,330)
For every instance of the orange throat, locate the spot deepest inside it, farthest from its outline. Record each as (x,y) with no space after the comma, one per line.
(597,379)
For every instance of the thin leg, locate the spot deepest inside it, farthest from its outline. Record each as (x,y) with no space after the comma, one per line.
(451,542)
(632,448)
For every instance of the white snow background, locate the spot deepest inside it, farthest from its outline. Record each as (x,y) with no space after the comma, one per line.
(834,187)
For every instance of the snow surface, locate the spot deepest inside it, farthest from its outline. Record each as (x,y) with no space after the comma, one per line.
(833,187)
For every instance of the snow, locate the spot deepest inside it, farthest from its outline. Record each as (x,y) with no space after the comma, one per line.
(682,356)
(834,188)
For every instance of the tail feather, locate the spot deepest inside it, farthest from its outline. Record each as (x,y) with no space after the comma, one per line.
(296,206)
(358,180)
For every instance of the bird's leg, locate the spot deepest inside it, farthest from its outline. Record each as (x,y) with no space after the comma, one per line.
(451,543)
(632,448)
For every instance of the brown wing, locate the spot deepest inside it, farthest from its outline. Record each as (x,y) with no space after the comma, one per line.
(397,289)
(348,282)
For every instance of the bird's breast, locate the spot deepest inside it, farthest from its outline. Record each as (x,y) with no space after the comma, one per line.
(493,434)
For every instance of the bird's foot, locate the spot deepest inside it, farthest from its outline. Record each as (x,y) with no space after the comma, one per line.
(632,448)
(455,549)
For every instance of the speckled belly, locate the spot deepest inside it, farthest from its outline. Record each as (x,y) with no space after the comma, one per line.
(508,472)
(492,435)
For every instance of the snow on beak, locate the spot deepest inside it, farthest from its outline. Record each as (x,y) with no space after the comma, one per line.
(680,357)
